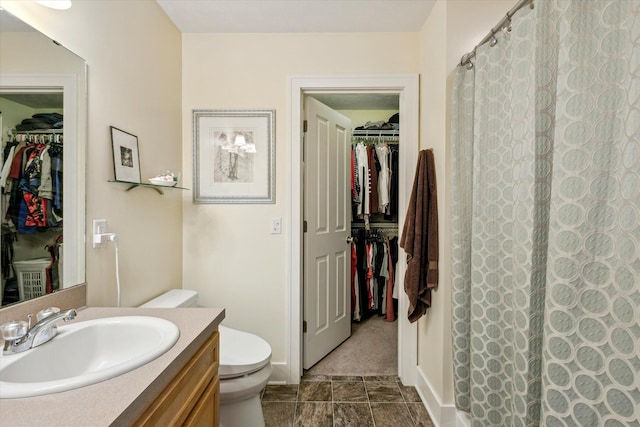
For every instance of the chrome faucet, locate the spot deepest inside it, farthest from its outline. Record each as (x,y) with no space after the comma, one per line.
(19,336)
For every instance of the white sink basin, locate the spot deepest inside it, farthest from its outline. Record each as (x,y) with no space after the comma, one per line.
(85,353)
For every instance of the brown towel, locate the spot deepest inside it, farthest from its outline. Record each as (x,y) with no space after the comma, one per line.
(420,238)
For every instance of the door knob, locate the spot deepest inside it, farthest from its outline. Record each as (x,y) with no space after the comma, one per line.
(349,240)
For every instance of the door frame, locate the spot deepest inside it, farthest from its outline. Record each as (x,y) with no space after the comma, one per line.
(407,87)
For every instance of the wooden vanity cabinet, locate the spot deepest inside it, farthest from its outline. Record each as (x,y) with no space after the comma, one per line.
(192,398)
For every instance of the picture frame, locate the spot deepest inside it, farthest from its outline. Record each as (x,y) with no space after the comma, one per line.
(126,158)
(233,156)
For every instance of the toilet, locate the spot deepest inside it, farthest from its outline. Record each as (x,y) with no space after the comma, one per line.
(245,365)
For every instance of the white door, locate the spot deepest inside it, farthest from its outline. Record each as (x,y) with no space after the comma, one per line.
(327,212)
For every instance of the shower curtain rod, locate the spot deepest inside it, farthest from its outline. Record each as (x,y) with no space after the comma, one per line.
(466,58)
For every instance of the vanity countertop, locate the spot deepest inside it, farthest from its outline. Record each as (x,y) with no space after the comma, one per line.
(120,400)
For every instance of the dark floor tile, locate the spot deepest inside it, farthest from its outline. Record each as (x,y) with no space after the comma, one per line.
(409,393)
(383,392)
(386,378)
(391,414)
(420,415)
(352,415)
(345,378)
(314,414)
(349,392)
(280,393)
(310,377)
(314,391)
(278,414)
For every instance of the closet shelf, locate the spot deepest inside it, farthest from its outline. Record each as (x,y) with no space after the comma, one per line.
(376,132)
(158,188)
(36,131)
(389,225)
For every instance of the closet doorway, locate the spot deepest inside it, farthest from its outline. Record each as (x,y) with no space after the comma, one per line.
(351,221)
(405,89)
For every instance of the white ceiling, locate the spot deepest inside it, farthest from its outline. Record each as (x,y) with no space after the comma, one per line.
(297,16)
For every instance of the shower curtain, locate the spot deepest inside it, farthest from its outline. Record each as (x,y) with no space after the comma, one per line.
(546,224)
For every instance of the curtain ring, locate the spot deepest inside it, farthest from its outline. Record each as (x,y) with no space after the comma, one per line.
(469,65)
(494,41)
(507,28)
(465,61)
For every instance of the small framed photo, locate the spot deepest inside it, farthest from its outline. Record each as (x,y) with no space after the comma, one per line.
(126,160)
(233,154)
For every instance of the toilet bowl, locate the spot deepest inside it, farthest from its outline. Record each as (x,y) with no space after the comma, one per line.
(245,365)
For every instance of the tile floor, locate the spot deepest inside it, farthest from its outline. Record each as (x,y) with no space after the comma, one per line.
(333,401)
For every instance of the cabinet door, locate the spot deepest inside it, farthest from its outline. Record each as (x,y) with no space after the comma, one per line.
(175,404)
(205,413)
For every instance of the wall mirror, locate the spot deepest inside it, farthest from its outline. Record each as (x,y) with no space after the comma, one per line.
(43,105)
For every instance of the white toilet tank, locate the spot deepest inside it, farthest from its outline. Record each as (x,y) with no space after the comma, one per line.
(174,298)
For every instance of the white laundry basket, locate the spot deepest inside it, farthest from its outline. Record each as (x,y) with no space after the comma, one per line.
(32,277)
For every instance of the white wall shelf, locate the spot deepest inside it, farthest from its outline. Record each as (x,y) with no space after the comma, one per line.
(158,188)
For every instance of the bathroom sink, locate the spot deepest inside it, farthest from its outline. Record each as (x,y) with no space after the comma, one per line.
(85,353)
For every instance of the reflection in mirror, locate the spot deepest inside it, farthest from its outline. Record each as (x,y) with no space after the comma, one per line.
(43,122)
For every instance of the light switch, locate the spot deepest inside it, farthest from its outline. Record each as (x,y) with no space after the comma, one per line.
(276,225)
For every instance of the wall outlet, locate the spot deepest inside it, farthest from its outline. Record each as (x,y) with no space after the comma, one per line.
(276,225)
(99,228)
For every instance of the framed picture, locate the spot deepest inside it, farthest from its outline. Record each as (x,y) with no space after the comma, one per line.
(126,160)
(233,156)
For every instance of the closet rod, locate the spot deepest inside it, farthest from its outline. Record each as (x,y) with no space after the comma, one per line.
(388,232)
(368,139)
(466,58)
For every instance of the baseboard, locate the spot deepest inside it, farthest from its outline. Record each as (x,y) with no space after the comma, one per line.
(442,415)
(462,419)
(280,374)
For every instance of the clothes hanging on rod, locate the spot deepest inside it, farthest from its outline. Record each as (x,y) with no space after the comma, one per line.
(373,260)
(53,271)
(32,181)
(9,236)
(374,249)
(373,180)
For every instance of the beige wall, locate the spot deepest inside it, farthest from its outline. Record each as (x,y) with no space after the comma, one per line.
(134,56)
(13,114)
(230,257)
(433,357)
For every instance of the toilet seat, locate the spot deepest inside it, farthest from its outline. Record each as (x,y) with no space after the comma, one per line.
(241,353)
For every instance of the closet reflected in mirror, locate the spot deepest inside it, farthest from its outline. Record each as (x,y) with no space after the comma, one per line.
(43,122)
